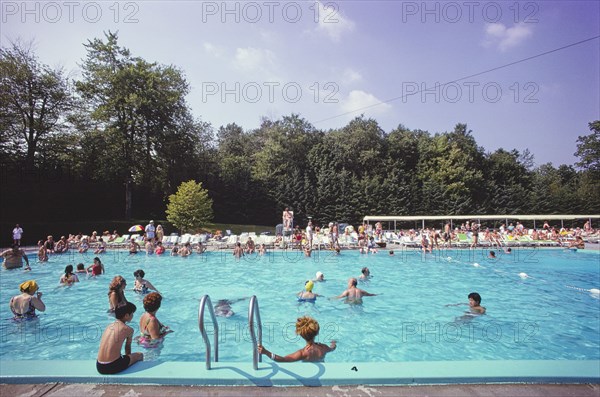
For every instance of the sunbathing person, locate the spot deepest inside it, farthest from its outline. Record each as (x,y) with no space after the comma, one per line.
(307,328)
(578,243)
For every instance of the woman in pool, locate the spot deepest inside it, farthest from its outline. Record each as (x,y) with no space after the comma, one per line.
(42,252)
(142,286)
(116,293)
(307,328)
(24,306)
(96,268)
(153,332)
(69,278)
(307,295)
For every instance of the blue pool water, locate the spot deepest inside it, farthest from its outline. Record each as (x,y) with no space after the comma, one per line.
(548,315)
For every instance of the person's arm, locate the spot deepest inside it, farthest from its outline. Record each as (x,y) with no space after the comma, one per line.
(153,329)
(113,299)
(296,356)
(365,293)
(128,341)
(102,266)
(150,286)
(344,294)
(36,301)
(25,257)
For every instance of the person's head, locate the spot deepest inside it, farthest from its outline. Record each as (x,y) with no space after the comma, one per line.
(509,249)
(68,269)
(152,222)
(139,273)
(117,283)
(391,253)
(320,276)
(50,238)
(492,254)
(97,260)
(308,286)
(15,247)
(80,266)
(352,282)
(152,302)
(29,287)
(307,328)
(474,299)
(365,271)
(122,311)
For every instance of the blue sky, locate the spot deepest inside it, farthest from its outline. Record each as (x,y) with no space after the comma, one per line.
(332,61)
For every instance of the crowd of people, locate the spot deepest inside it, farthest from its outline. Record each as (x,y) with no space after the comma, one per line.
(110,358)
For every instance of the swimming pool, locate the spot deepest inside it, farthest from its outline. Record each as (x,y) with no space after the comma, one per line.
(547,315)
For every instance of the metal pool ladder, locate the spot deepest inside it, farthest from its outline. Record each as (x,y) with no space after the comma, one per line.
(206,299)
(254,311)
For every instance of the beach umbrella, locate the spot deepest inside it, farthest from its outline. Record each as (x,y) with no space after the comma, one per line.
(136,228)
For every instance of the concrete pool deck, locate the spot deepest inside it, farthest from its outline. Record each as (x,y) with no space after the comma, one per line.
(91,390)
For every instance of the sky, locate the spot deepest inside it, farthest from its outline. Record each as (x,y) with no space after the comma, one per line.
(520,74)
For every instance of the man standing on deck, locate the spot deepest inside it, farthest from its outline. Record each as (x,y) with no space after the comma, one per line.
(150,231)
(17,233)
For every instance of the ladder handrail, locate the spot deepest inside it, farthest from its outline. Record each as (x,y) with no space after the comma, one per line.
(252,311)
(203,302)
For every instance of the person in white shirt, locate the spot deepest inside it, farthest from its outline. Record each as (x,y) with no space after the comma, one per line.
(17,233)
(150,231)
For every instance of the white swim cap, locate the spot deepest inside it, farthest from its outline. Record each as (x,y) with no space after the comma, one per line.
(319,275)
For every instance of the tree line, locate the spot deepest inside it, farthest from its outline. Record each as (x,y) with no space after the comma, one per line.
(116,142)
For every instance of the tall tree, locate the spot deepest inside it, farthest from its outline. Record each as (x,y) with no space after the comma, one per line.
(140,108)
(35,101)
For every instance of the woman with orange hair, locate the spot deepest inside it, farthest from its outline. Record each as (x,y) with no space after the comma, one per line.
(153,332)
(307,328)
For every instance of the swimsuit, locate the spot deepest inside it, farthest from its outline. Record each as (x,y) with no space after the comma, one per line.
(114,367)
(146,339)
(142,290)
(28,315)
(96,270)
(307,300)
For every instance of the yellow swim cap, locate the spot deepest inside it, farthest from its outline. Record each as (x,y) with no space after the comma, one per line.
(29,286)
(309,285)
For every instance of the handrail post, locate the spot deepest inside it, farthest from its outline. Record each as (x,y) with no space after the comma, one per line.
(253,310)
(206,299)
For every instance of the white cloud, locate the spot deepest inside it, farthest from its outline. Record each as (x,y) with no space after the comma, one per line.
(497,34)
(331,22)
(362,102)
(351,76)
(255,59)
(213,50)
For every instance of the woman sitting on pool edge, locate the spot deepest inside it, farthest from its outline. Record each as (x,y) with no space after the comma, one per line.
(307,328)
(153,332)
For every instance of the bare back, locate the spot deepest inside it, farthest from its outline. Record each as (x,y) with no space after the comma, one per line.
(112,340)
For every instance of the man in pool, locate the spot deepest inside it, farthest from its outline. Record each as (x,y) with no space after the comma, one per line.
(13,258)
(475,303)
(353,294)
(223,307)
(110,360)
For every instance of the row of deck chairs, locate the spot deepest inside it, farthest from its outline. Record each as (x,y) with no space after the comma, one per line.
(465,240)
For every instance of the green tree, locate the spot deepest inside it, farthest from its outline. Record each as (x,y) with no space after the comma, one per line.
(588,149)
(190,207)
(35,101)
(140,110)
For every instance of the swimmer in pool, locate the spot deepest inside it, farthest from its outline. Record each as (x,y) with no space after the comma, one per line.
(223,307)
(475,303)
(365,274)
(319,277)
(353,294)
(307,295)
